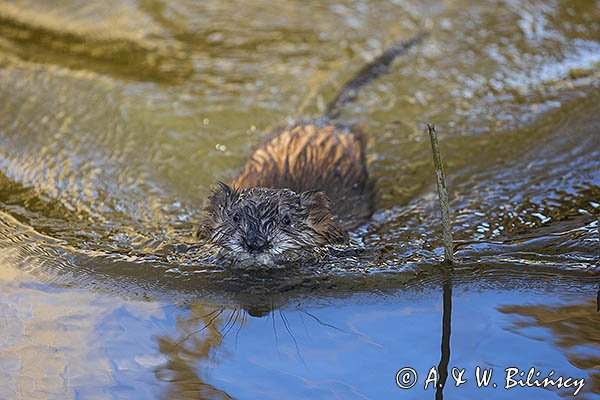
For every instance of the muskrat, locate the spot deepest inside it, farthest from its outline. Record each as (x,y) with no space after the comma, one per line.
(303,189)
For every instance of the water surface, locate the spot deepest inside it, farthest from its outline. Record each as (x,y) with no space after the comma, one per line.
(117,117)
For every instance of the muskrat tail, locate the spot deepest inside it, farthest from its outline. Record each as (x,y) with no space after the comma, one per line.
(369,72)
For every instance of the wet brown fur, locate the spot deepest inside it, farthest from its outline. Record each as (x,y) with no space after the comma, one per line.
(312,157)
(304,188)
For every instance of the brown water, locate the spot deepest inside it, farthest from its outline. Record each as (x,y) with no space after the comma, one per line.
(117,116)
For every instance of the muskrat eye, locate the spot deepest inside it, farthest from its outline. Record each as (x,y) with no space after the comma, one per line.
(236,217)
(286,220)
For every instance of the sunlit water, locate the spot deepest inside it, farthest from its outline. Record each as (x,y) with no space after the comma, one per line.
(117,117)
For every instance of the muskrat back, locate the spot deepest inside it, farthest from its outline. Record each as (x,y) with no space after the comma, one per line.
(310,157)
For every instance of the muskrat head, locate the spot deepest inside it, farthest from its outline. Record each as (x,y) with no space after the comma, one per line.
(268,226)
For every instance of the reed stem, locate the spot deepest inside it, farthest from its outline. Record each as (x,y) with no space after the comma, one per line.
(442,195)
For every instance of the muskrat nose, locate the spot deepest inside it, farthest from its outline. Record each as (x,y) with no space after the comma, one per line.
(255,243)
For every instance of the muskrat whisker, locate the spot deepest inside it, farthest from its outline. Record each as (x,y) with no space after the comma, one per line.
(287,327)
(241,325)
(225,329)
(230,323)
(304,325)
(272,314)
(325,323)
(189,335)
(203,316)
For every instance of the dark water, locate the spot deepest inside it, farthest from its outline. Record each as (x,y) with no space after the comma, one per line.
(117,116)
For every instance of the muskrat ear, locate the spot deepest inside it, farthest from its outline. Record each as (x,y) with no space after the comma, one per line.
(315,199)
(202,231)
(319,215)
(215,207)
(223,187)
(222,196)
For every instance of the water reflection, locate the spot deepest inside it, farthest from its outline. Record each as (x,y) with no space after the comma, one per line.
(194,350)
(574,327)
(446,331)
(312,346)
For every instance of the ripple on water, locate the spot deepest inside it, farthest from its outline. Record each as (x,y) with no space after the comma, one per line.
(117,117)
